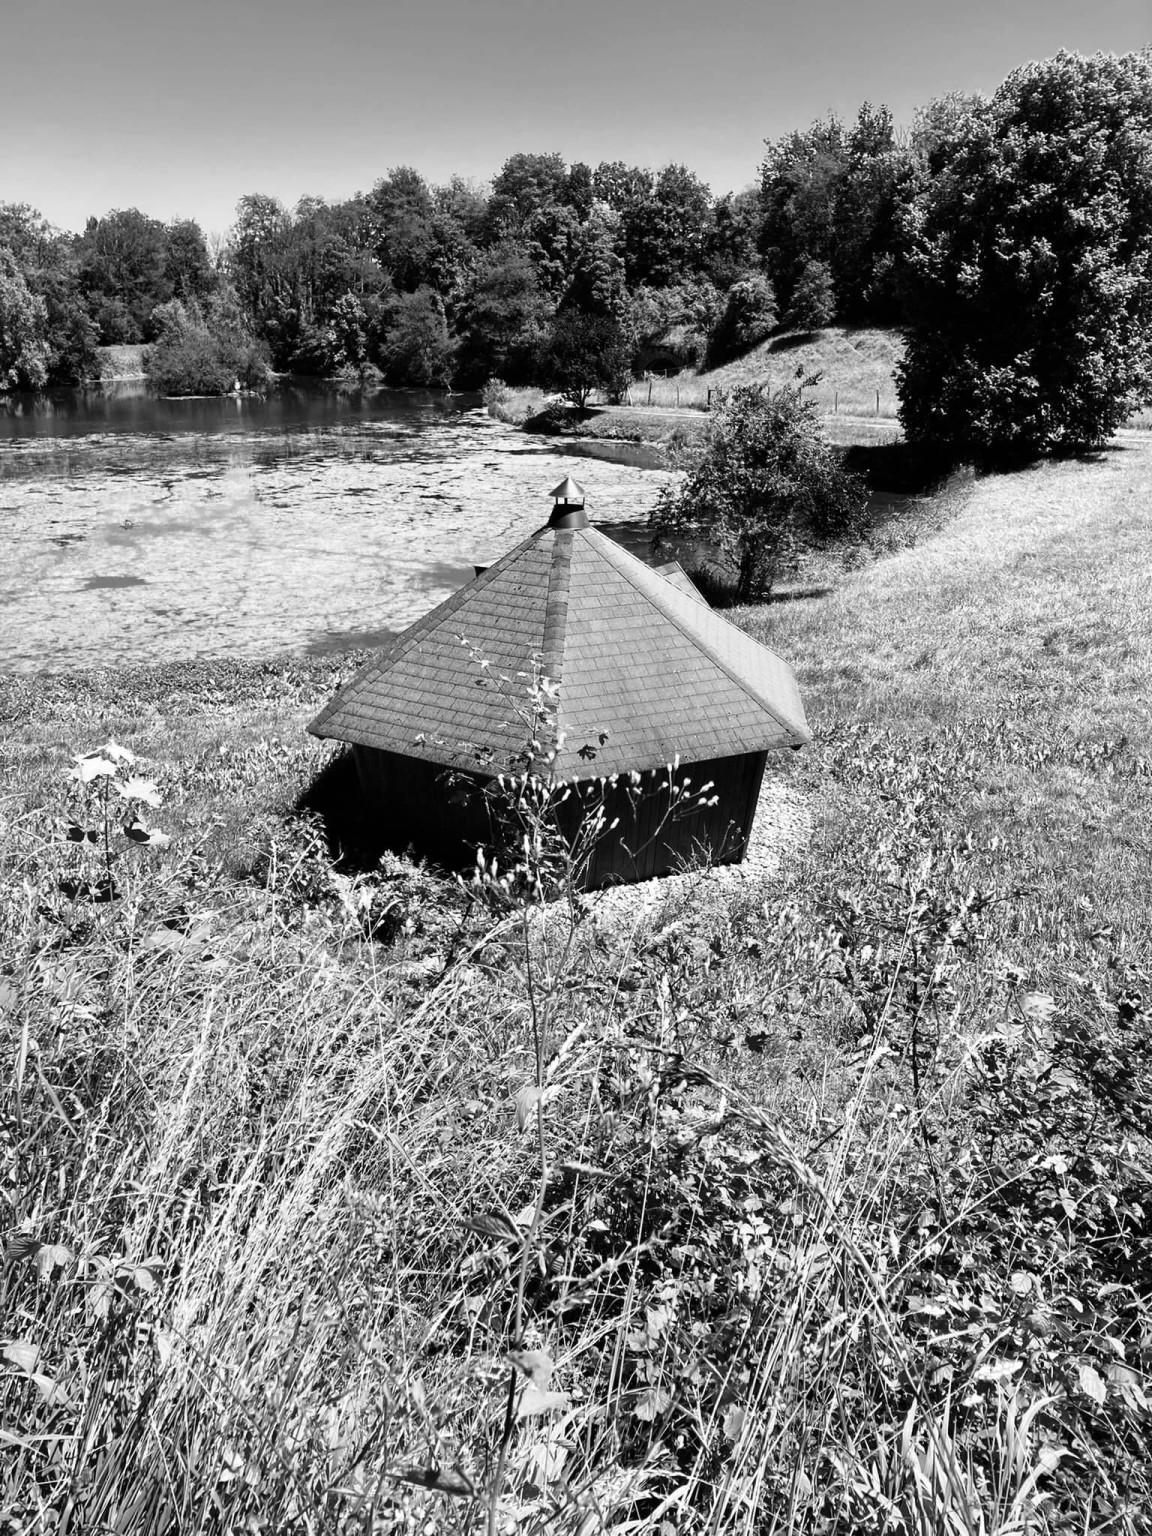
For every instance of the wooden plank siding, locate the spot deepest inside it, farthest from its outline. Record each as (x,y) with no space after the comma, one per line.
(446,815)
(438,811)
(659,833)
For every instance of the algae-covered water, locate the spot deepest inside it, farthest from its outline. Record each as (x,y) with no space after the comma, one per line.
(136,529)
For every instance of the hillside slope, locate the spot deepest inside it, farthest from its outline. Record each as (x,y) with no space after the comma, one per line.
(823,1183)
(855,366)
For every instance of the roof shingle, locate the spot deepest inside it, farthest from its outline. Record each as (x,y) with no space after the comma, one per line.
(642,669)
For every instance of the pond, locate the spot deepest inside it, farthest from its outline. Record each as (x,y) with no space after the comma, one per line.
(313,520)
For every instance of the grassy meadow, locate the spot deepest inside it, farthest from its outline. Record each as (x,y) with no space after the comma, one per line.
(855,395)
(855,364)
(348,1200)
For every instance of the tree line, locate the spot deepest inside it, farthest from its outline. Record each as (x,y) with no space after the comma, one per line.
(1007,238)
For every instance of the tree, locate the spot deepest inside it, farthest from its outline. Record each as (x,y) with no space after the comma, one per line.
(866,220)
(406,233)
(666,232)
(586,352)
(123,260)
(596,284)
(749,317)
(47,263)
(832,195)
(256,260)
(799,180)
(623,187)
(764,486)
(1029,268)
(504,317)
(188,270)
(23,322)
(731,246)
(813,302)
(418,349)
(526,186)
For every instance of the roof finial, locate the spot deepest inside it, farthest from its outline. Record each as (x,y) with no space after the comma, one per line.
(568,511)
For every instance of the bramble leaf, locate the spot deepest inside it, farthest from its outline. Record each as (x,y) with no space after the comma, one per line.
(1092,1384)
(450,1480)
(493,1224)
(93,767)
(536,1365)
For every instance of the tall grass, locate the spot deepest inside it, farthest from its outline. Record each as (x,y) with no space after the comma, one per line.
(691,391)
(810,1204)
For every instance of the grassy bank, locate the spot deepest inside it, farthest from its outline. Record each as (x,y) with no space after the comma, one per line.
(855,367)
(818,1207)
(856,393)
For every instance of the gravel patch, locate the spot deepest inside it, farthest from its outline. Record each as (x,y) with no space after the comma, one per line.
(782,826)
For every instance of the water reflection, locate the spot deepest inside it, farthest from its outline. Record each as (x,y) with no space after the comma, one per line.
(131,405)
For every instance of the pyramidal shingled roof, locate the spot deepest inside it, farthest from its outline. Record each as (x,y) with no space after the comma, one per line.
(643,670)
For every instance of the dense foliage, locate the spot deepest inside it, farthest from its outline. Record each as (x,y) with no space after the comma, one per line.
(1008,238)
(586,352)
(1029,252)
(23,323)
(202,354)
(764,486)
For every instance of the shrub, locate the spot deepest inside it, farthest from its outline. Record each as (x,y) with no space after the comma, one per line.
(749,317)
(586,352)
(191,358)
(765,485)
(813,302)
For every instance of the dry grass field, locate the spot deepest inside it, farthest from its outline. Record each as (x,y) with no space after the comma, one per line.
(855,367)
(356,1201)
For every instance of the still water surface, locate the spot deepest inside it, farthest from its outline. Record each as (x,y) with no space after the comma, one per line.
(137,529)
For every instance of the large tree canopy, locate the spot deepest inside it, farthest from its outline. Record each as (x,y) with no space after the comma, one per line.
(1030,284)
(23,319)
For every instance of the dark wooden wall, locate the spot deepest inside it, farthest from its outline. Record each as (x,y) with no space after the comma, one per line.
(446,815)
(659,831)
(438,812)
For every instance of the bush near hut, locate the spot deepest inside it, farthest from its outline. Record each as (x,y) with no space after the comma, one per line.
(764,485)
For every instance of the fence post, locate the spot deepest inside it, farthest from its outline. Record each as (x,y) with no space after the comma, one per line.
(649,391)
(709,399)
(677,397)
(836,403)
(877,402)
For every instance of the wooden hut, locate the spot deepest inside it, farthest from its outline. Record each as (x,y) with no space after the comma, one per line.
(575,659)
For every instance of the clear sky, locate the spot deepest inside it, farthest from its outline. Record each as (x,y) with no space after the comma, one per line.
(180,108)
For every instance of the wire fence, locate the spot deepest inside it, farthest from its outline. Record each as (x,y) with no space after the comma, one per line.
(685,393)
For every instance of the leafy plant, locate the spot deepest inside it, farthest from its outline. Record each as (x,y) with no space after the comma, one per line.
(1039,339)
(586,352)
(764,486)
(106,787)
